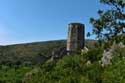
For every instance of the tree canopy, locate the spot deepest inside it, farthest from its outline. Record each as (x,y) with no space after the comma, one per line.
(111,22)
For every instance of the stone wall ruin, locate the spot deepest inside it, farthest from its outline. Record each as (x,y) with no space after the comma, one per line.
(76,37)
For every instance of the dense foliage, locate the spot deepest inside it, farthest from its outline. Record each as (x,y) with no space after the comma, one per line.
(13,74)
(77,68)
(111,21)
(19,61)
(81,69)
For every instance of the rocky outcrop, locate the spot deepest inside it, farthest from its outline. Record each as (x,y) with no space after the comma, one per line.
(40,59)
(58,53)
(108,53)
(107,56)
(84,50)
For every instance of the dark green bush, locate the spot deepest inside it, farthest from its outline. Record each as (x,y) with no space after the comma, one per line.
(114,73)
(94,54)
(69,69)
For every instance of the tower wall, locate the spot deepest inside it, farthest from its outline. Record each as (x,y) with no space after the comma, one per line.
(76,37)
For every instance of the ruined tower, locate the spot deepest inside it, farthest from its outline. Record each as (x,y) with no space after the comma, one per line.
(76,38)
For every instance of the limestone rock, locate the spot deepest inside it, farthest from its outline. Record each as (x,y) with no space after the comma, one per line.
(58,53)
(85,50)
(121,45)
(107,56)
(40,59)
(88,63)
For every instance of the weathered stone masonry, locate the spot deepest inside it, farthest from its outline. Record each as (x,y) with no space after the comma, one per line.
(75,41)
(76,37)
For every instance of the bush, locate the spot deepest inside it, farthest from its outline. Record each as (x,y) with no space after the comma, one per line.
(114,73)
(94,54)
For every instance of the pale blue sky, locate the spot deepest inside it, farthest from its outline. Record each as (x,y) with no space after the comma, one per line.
(24,21)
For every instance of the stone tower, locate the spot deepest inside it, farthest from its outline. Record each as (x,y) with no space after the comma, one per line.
(76,37)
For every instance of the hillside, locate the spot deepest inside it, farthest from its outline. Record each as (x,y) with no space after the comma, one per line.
(30,52)
(80,68)
(17,65)
(76,68)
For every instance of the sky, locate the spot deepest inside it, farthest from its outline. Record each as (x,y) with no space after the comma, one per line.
(23,21)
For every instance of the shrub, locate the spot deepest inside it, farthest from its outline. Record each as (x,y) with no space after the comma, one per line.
(94,54)
(114,73)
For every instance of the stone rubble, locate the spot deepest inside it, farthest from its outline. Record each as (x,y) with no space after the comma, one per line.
(108,54)
(84,50)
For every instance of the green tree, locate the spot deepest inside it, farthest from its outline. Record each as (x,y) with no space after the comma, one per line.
(111,21)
